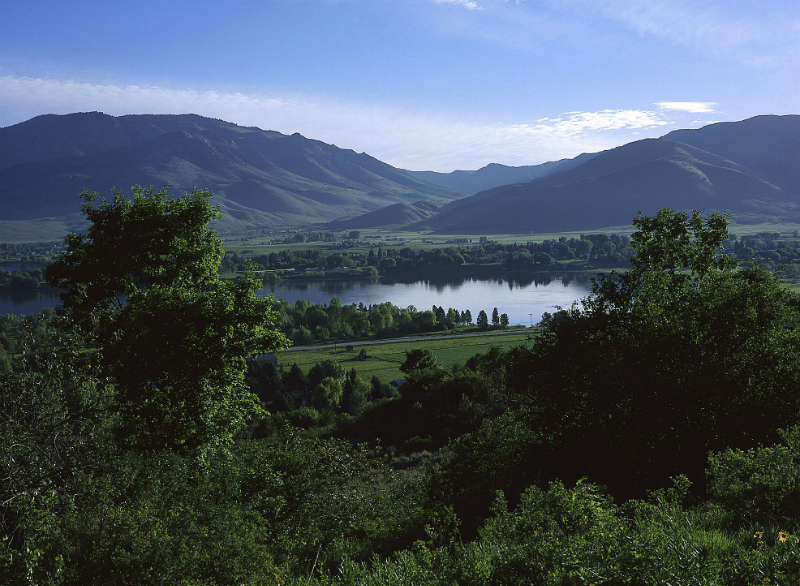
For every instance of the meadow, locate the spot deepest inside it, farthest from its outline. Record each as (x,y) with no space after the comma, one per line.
(384,359)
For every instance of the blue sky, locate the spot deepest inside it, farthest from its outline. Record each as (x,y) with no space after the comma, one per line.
(420,84)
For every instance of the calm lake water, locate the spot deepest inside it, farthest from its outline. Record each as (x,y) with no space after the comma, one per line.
(523,299)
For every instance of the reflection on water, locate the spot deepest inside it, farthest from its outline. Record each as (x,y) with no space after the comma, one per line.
(523,297)
(27,302)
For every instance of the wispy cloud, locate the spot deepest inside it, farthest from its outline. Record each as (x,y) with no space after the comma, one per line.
(580,122)
(462,3)
(693,107)
(759,33)
(405,139)
(741,31)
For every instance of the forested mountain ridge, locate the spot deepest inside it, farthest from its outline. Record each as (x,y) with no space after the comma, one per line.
(750,169)
(260,178)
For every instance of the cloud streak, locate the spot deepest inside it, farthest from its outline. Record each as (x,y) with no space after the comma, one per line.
(409,140)
(692,107)
(461,3)
(758,33)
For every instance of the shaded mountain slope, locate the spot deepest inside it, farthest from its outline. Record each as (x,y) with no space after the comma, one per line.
(766,145)
(610,188)
(495,175)
(260,178)
(399,214)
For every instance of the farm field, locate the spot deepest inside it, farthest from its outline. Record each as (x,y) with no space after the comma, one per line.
(385,358)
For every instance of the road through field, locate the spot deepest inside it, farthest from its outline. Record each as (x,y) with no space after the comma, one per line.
(408,339)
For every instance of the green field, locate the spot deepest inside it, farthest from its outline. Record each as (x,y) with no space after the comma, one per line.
(385,359)
(373,237)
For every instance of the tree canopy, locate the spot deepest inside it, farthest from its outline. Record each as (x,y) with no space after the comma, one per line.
(142,285)
(683,354)
(649,435)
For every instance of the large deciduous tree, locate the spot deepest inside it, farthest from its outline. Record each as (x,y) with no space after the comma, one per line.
(142,285)
(682,354)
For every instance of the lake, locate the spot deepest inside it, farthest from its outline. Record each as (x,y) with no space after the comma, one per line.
(524,299)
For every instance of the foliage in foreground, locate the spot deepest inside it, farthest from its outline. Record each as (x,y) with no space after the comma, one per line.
(553,459)
(142,285)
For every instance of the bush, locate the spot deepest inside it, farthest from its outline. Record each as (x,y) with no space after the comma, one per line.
(304,417)
(761,485)
(419,444)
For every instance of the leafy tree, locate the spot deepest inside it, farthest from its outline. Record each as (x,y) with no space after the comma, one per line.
(324,369)
(504,321)
(328,393)
(761,485)
(53,429)
(418,359)
(495,317)
(426,320)
(142,284)
(453,316)
(679,356)
(294,379)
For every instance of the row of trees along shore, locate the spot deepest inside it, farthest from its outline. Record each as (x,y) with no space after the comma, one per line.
(772,250)
(591,251)
(648,436)
(599,249)
(306,323)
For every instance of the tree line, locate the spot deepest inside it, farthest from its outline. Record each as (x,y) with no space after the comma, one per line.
(594,250)
(22,280)
(305,323)
(598,249)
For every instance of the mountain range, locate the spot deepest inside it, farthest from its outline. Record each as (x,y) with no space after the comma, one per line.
(259,178)
(750,169)
(495,174)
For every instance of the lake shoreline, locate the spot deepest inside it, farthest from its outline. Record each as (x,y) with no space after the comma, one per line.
(523,294)
(464,271)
